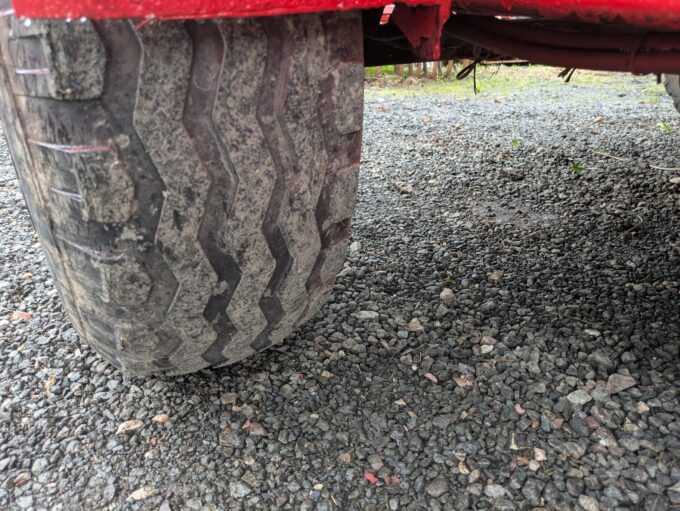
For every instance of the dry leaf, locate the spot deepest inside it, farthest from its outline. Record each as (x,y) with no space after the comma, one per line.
(21,315)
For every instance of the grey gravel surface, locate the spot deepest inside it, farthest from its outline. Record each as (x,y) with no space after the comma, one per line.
(505,335)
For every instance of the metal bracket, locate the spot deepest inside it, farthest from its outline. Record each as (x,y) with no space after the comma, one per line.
(422,25)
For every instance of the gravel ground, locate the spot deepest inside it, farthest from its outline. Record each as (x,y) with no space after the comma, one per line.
(505,335)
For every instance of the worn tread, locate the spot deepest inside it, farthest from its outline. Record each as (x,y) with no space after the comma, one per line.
(192,183)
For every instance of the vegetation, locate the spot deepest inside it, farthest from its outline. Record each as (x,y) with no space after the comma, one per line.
(577,169)
(491,79)
(665,127)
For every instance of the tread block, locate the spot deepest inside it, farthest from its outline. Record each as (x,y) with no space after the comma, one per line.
(126,284)
(347,99)
(105,185)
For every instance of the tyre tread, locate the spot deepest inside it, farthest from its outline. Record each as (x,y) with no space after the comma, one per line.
(203,205)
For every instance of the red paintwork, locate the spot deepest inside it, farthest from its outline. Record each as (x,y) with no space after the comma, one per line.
(422,25)
(165,9)
(645,13)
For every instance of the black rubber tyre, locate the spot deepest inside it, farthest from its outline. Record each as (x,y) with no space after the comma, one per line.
(192,183)
(672,83)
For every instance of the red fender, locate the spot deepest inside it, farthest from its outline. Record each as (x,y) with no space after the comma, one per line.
(657,14)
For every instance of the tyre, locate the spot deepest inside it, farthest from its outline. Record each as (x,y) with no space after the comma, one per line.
(192,183)
(672,83)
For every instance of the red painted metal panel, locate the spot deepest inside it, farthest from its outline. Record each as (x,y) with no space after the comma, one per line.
(167,9)
(643,13)
(647,13)
(422,26)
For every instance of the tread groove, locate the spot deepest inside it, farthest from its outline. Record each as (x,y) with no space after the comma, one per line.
(344,153)
(235,117)
(158,119)
(269,111)
(208,47)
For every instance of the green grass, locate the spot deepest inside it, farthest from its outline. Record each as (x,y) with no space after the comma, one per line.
(665,127)
(577,169)
(654,92)
(372,72)
(498,81)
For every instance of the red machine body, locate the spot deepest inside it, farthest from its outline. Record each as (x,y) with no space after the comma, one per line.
(657,14)
(638,36)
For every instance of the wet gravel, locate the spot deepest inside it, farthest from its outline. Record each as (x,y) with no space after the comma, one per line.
(505,335)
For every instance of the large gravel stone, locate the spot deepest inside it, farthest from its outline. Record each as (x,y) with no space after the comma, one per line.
(579,397)
(619,382)
(437,487)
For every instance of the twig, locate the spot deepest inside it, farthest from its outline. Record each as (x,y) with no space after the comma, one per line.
(573,318)
(670,169)
(636,226)
(618,158)
(8,180)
